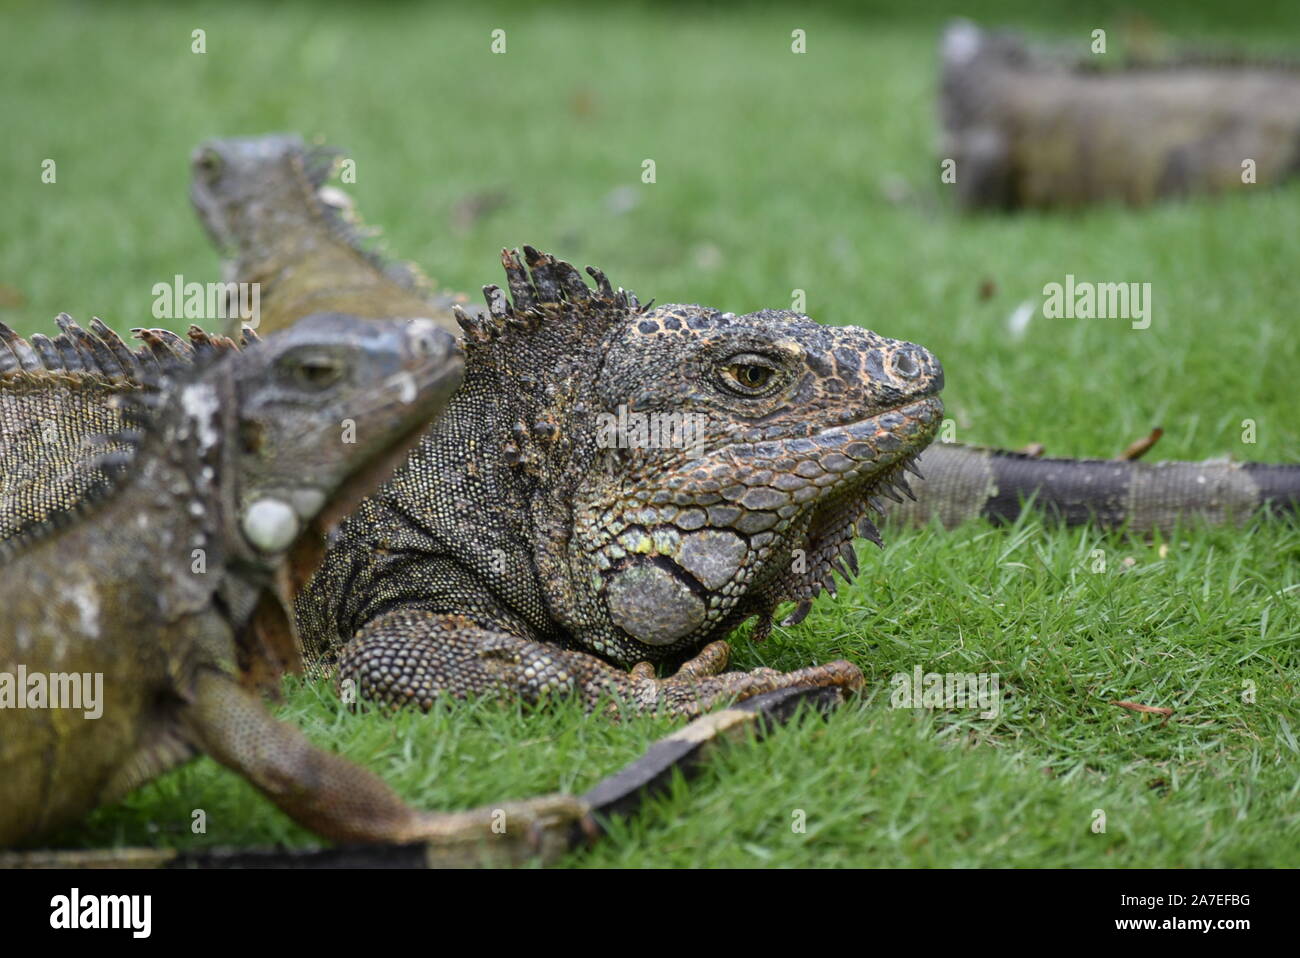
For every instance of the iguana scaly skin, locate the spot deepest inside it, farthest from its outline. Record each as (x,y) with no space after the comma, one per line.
(65,430)
(265,177)
(62,428)
(1029,132)
(521,552)
(266,206)
(150,579)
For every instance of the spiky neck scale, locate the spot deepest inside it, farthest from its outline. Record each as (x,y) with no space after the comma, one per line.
(84,414)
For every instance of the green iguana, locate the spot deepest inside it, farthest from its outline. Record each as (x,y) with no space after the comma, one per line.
(1028,130)
(125,613)
(266,205)
(615,488)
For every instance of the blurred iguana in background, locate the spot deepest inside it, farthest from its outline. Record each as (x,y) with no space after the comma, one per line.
(125,611)
(267,203)
(1030,128)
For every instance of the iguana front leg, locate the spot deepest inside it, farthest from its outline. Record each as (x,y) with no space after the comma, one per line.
(344,802)
(412,656)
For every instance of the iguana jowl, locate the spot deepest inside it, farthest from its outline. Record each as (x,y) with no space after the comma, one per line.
(150,578)
(1028,130)
(518,553)
(265,202)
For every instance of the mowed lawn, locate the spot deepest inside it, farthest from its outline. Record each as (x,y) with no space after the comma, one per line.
(774,172)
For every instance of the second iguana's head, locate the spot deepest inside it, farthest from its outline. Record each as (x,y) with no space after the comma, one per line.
(297,419)
(713,465)
(246,189)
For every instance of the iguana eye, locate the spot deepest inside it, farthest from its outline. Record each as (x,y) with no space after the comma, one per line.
(209,163)
(748,375)
(317,372)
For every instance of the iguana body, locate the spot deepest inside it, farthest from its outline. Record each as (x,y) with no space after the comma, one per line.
(150,578)
(268,180)
(523,550)
(265,203)
(1029,132)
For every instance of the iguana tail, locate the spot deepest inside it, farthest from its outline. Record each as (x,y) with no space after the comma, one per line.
(965,482)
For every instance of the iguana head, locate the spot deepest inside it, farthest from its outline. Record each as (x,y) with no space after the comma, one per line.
(789,428)
(245,189)
(269,208)
(292,428)
(283,439)
(331,404)
(268,199)
(974,62)
(711,465)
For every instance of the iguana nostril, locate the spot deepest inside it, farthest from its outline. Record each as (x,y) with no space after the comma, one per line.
(905,364)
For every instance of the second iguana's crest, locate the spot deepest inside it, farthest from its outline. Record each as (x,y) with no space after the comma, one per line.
(74,409)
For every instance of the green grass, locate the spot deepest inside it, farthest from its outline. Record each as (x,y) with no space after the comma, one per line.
(773,173)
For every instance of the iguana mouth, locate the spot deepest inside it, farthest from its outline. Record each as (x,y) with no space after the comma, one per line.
(923,408)
(895,435)
(840,519)
(923,417)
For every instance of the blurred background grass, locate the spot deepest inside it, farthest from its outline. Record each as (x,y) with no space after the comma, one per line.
(775,171)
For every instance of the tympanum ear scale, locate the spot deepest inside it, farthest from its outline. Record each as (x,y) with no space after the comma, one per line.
(270,525)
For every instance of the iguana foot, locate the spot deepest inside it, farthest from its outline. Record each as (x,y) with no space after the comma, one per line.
(411,657)
(701,684)
(541,828)
(1140,447)
(710,660)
